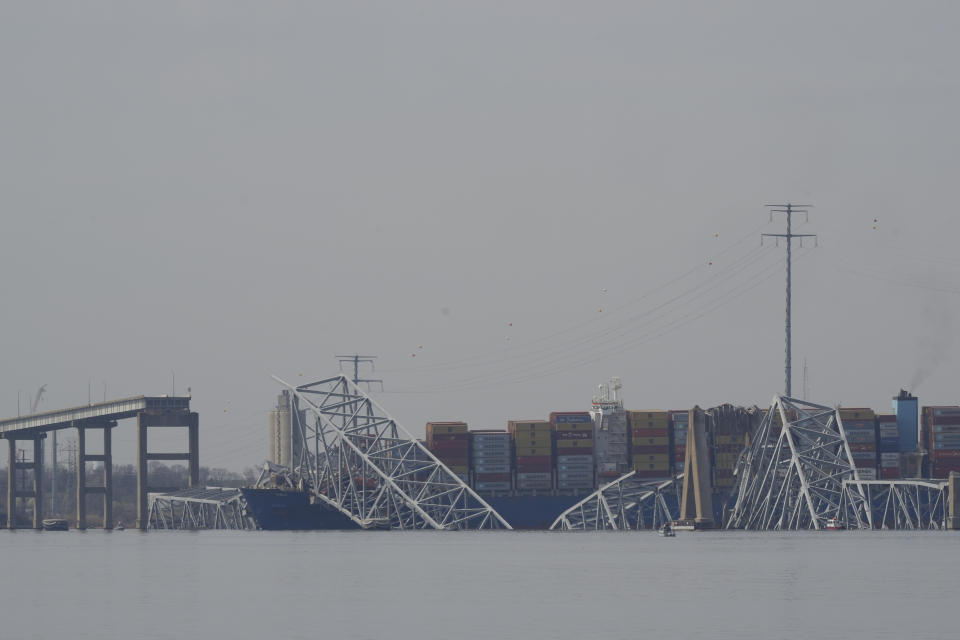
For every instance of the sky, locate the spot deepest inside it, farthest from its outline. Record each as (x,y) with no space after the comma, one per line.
(506,202)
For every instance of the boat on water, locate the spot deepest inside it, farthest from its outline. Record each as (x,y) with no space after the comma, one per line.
(834,525)
(54,524)
(666,531)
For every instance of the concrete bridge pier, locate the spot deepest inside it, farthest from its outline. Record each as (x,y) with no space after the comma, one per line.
(147,419)
(36,466)
(106,490)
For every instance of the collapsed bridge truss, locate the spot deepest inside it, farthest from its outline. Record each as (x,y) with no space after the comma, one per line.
(792,476)
(626,503)
(359,460)
(895,504)
(192,509)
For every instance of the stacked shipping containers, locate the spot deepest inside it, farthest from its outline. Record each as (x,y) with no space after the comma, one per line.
(679,424)
(730,429)
(534,454)
(941,427)
(491,460)
(860,426)
(611,442)
(573,438)
(889,446)
(650,443)
(450,443)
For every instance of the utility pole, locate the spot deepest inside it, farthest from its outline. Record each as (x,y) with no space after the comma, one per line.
(788,209)
(356,360)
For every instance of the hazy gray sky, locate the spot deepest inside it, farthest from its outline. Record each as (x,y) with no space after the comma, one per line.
(233,189)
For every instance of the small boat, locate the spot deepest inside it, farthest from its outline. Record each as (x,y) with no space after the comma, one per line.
(834,525)
(666,531)
(119,526)
(54,524)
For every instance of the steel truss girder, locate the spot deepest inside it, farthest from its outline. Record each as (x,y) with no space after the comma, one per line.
(178,512)
(626,503)
(895,504)
(793,478)
(359,460)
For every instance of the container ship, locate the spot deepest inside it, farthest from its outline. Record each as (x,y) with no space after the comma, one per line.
(534,469)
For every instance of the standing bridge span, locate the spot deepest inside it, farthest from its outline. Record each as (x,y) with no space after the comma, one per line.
(149,411)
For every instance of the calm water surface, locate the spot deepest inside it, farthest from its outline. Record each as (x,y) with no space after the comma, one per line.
(428,585)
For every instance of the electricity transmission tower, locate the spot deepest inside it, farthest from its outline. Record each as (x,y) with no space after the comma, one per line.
(789,210)
(356,360)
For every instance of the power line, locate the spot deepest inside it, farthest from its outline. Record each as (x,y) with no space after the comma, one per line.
(788,209)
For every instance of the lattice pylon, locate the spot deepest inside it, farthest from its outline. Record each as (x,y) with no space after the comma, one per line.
(792,476)
(359,460)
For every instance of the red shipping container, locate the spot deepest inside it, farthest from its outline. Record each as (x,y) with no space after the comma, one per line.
(941,454)
(574,451)
(945,420)
(943,471)
(890,473)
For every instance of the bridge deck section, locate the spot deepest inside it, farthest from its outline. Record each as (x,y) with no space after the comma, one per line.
(94,412)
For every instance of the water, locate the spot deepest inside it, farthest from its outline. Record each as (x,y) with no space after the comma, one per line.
(425,585)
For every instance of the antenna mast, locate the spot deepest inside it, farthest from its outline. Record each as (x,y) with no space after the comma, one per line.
(789,209)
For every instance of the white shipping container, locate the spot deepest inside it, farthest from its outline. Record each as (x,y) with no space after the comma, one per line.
(492,486)
(492,468)
(867,474)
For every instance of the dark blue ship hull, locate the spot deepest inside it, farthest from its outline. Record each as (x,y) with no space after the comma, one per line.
(532,512)
(277,510)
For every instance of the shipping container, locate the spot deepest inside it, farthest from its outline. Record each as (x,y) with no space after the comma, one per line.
(491,486)
(890,473)
(525,452)
(446,428)
(575,451)
(571,417)
(856,413)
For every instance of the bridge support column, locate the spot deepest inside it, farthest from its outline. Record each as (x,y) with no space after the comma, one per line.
(36,492)
(107,459)
(147,419)
(81,477)
(696,510)
(12,486)
(143,421)
(38,481)
(107,477)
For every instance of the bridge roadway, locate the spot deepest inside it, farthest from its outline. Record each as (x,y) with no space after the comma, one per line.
(150,411)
